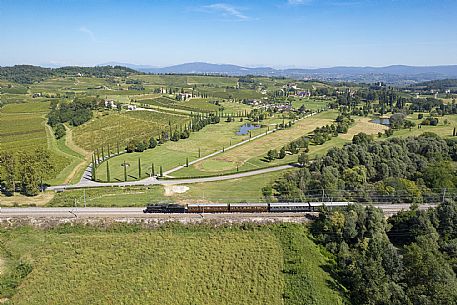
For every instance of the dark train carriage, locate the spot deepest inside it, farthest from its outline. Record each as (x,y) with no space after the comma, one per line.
(207,208)
(248,207)
(280,207)
(165,208)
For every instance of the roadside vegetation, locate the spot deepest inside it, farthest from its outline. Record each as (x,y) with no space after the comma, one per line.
(408,259)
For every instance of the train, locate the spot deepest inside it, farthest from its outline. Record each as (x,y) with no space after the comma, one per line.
(277,207)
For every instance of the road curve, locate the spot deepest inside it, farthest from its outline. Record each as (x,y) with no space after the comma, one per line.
(155,181)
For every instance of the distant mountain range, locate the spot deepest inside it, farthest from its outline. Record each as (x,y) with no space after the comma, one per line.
(397,74)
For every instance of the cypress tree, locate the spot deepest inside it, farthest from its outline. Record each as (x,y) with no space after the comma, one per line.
(117,148)
(199,153)
(161,171)
(187,161)
(93,173)
(139,168)
(108,178)
(103,154)
(153,171)
(125,171)
(109,151)
(453,133)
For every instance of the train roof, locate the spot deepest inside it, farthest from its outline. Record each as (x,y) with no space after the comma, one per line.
(289,204)
(330,204)
(249,204)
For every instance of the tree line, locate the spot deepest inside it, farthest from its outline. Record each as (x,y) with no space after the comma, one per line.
(24,171)
(28,74)
(413,169)
(410,259)
(76,112)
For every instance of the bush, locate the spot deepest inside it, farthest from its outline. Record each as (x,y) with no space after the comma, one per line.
(60,131)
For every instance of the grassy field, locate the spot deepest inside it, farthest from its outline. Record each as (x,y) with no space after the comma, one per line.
(441,129)
(173,265)
(247,189)
(310,103)
(251,155)
(172,154)
(191,105)
(112,127)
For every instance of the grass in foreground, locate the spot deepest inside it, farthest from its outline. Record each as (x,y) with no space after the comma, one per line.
(275,264)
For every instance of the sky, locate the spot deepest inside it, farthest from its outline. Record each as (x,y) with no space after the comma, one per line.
(275,33)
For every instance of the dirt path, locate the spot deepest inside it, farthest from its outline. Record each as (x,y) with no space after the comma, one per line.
(73,146)
(81,166)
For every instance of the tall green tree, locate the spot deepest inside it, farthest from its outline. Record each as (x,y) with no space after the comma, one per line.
(108,177)
(125,171)
(139,168)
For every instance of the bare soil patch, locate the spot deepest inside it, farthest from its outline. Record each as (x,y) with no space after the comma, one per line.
(363,125)
(171,190)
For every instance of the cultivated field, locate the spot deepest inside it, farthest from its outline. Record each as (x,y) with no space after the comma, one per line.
(194,265)
(23,128)
(112,128)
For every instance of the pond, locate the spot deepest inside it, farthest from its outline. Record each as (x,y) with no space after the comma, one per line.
(382,121)
(246,128)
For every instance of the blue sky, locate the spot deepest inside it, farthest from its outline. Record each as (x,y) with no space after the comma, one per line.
(280,33)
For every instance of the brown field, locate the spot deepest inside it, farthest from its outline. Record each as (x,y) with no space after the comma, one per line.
(21,200)
(363,124)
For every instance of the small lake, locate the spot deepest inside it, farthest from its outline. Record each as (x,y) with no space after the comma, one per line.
(381,121)
(246,128)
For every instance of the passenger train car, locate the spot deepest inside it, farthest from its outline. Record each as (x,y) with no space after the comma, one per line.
(279,207)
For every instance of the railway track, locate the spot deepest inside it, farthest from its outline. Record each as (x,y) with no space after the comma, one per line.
(137,212)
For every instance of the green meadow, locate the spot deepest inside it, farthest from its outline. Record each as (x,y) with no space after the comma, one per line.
(274,264)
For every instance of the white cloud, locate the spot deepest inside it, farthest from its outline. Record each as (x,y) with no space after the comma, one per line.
(87,31)
(226,10)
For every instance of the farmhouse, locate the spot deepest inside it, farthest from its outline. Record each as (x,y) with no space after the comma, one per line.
(110,104)
(184,96)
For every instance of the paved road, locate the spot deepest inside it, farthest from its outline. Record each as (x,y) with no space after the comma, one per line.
(154,180)
(389,209)
(86,181)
